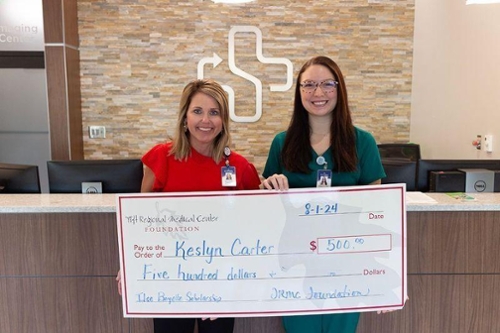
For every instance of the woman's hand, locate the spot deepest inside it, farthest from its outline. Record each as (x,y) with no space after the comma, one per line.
(119,281)
(276,182)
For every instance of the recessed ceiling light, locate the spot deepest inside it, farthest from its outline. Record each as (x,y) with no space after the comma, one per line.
(232,1)
(480,2)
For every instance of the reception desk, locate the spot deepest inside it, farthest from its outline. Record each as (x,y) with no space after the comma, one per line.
(59,258)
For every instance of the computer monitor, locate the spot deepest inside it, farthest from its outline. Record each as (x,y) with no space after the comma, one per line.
(400,170)
(426,166)
(409,151)
(19,178)
(113,176)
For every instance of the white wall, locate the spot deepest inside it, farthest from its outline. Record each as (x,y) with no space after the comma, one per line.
(456,78)
(24,128)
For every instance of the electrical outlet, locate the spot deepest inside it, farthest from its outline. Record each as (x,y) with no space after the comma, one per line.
(97,132)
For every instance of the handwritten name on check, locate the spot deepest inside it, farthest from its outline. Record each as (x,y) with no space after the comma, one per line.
(263,253)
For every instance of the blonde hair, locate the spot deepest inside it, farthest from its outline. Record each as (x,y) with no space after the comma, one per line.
(181,147)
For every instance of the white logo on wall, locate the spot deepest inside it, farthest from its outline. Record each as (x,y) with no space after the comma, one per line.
(216,60)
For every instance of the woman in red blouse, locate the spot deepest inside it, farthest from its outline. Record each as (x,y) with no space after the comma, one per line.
(197,159)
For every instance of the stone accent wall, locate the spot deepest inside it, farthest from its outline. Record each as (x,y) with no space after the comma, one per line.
(136,56)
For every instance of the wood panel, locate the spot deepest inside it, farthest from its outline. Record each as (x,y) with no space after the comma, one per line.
(258,325)
(453,242)
(63,79)
(483,242)
(442,303)
(70,22)
(141,325)
(74,104)
(57,100)
(60,305)
(481,304)
(428,234)
(241,325)
(57,275)
(58,244)
(52,21)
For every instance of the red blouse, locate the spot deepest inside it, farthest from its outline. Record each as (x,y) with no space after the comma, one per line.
(198,172)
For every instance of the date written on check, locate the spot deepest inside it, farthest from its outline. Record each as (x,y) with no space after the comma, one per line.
(263,253)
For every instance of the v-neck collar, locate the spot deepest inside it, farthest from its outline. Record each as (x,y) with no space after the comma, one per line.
(327,152)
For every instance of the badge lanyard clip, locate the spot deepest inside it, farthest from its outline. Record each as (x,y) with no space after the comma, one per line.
(228,172)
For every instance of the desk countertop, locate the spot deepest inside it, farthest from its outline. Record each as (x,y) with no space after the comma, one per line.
(106,203)
(57,203)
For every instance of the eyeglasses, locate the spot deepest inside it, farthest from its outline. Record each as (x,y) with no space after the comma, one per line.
(327,86)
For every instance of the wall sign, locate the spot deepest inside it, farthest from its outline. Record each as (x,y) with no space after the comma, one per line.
(216,60)
(21,25)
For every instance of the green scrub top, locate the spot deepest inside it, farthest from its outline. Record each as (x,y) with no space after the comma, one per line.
(369,169)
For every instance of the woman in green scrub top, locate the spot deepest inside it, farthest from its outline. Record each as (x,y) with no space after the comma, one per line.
(322,147)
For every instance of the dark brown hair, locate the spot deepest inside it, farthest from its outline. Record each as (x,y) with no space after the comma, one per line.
(296,153)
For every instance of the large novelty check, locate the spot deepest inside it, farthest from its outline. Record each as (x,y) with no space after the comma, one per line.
(263,253)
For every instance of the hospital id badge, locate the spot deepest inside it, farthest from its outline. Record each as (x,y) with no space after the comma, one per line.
(324,178)
(228,174)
